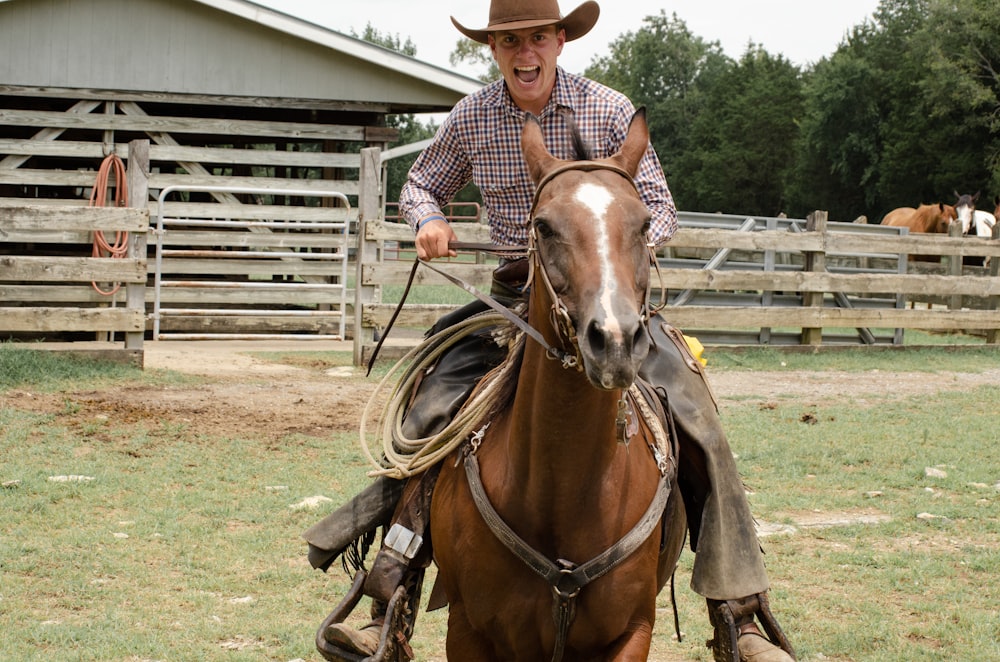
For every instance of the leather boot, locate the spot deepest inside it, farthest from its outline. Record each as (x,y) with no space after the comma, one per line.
(363,641)
(737,637)
(753,646)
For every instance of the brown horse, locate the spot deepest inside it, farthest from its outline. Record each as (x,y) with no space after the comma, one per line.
(925,218)
(536,569)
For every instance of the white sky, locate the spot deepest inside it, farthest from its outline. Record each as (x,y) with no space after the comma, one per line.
(802,30)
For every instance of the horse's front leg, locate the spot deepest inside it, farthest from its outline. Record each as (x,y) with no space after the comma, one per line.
(463,642)
(633,645)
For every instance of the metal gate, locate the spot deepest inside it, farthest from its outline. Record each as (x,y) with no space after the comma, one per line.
(263,272)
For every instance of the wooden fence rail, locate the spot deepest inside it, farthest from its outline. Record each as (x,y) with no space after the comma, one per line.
(821,283)
(54,293)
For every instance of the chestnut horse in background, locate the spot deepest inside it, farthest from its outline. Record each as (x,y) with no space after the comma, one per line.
(925,218)
(527,521)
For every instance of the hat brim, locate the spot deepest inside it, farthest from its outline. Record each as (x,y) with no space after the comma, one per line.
(577,23)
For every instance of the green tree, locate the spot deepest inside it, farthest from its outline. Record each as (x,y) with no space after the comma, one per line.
(838,147)
(897,116)
(665,68)
(964,66)
(741,142)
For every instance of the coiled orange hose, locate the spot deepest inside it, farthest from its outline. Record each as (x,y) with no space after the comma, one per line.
(102,247)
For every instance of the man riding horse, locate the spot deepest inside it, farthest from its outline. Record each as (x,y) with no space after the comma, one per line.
(479,142)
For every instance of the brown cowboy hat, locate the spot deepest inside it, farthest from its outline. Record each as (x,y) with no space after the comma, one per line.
(521,14)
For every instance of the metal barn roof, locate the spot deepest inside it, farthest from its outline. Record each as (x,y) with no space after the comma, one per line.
(216,48)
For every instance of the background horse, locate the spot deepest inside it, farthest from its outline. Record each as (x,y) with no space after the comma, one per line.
(965,210)
(925,218)
(554,464)
(982,227)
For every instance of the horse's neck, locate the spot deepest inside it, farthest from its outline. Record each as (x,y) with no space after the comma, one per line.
(559,418)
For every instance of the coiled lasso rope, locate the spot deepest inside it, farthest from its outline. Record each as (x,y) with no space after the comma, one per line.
(403,457)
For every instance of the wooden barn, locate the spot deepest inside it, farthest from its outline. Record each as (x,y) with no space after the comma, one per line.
(252,144)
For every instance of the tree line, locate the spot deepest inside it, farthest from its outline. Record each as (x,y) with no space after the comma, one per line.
(905,111)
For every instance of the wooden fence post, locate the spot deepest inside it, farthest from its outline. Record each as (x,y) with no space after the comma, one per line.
(369,209)
(955,266)
(138,195)
(993,335)
(815,261)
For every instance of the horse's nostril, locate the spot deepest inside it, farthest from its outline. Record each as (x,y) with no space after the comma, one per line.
(596,338)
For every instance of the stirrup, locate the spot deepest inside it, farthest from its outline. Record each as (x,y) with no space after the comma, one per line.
(393,644)
(726,614)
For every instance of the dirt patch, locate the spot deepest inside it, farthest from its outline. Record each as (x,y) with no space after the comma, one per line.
(271,399)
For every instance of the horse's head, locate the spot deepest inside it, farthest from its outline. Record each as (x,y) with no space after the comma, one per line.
(965,208)
(589,230)
(946,216)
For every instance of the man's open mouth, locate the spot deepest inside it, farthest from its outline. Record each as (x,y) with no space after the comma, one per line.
(527,74)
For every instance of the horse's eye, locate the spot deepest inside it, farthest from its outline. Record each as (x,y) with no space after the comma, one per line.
(645,227)
(543,229)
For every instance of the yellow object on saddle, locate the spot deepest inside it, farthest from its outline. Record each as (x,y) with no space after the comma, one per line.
(696,348)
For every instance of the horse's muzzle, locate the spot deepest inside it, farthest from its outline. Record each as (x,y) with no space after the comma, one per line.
(612,357)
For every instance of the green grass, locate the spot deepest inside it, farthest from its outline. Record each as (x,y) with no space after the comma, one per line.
(184,547)
(856,359)
(20,364)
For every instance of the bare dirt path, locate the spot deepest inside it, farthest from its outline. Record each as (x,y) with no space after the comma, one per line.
(281,388)
(292,396)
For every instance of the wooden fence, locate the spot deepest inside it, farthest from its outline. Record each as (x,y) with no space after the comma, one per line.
(52,292)
(779,281)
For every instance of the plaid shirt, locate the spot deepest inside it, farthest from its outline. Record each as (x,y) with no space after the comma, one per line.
(480,141)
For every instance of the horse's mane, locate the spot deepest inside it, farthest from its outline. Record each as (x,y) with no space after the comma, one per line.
(507,373)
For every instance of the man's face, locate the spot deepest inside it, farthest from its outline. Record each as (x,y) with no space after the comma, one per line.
(527,60)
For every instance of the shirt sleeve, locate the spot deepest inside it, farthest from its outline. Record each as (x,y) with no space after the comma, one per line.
(653,190)
(441,170)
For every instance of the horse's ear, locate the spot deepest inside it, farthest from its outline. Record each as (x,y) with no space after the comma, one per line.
(536,156)
(636,143)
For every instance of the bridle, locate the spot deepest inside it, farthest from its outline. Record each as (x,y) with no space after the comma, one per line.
(559,317)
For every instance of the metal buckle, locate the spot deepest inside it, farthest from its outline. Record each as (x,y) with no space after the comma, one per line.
(403,541)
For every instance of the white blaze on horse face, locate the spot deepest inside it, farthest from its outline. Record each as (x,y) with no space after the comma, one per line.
(598,199)
(965,217)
